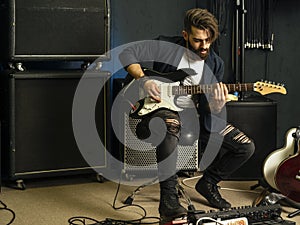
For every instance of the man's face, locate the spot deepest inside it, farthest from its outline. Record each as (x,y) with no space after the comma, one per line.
(198,41)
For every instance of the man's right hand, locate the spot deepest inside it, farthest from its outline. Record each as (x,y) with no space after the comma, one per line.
(150,86)
(152,89)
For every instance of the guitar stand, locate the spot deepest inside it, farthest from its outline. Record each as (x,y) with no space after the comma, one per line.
(129,199)
(274,198)
(261,183)
(191,207)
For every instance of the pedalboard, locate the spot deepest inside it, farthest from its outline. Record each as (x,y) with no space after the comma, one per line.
(256,215)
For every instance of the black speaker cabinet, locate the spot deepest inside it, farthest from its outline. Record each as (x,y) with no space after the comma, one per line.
(257,119)
(54,30)
(38,138)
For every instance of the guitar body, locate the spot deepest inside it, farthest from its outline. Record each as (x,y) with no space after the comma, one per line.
(274,159)
(148,105)
(288,177)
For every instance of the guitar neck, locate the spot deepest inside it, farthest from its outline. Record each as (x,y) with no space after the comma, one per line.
(203,89)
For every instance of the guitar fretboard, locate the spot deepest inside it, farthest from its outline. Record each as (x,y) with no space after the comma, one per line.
(203,89)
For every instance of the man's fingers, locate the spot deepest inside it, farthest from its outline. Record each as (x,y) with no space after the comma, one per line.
(153,90)
(220,92)
(154,94)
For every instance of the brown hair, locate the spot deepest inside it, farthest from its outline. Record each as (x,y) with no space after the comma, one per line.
(201,19)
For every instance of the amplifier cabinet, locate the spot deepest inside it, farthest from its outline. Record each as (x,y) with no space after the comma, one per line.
(54,30)
(142,160)
(38,138)
(258,120)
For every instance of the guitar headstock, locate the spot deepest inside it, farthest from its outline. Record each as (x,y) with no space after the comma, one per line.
(268,87)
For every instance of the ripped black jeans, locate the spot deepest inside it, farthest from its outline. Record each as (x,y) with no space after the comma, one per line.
(162,129)
(236,148)
(233,151)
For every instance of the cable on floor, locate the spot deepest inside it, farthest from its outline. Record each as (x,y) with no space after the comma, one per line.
(4,207)
(222,188)
(136,221)
(81,220)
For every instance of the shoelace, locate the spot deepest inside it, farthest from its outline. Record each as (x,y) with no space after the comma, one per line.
(215,192)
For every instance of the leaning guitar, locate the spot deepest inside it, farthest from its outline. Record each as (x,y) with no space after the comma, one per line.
(275,158)
(287,176)
(169,91)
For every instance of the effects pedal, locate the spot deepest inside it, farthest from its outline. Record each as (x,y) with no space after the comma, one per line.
(257,215)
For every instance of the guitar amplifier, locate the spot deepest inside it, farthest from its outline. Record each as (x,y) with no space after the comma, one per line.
(257,118)
(37,131)
(54,30)
(142,160)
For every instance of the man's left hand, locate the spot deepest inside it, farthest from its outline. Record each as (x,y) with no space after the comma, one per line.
(219,97)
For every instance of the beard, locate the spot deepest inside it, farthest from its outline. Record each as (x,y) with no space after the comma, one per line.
(201,52)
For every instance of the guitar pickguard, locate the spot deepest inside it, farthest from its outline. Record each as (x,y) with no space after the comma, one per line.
(148,105)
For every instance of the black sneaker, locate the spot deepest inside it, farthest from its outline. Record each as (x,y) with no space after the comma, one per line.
(211,193)
(169,207)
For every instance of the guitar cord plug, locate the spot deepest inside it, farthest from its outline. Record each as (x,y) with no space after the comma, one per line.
(129,200)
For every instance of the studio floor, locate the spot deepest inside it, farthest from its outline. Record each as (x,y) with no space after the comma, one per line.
(67,200)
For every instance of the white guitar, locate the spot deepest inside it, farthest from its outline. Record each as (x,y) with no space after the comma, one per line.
(170,90)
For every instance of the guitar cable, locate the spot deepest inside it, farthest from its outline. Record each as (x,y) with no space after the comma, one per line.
(291,215)
(4,207)
(122,94)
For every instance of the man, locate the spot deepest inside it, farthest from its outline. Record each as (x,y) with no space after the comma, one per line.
(200,31)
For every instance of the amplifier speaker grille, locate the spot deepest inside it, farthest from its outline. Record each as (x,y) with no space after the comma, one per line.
(145,159)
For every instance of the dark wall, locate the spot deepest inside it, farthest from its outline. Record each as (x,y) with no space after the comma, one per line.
(134,20)
(281,65)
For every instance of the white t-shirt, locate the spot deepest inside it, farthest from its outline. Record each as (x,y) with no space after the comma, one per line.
(197,66)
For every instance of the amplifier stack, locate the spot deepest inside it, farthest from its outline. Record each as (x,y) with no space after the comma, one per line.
(45,48)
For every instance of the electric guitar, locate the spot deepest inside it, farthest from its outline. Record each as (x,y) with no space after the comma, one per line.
(171,88)
(274,159)
(288,173)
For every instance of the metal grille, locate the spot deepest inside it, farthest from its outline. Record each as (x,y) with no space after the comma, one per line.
(143,156)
